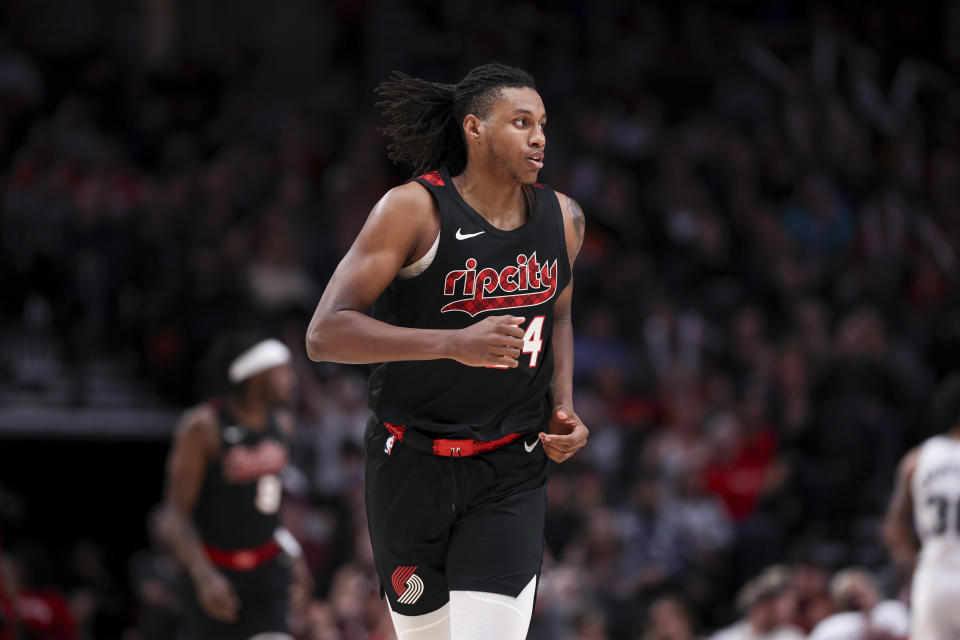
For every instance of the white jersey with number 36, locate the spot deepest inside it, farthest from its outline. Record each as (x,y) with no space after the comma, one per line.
(936,502)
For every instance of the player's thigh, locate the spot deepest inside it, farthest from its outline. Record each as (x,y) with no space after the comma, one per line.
(497,547)
(933,608)
(409,500)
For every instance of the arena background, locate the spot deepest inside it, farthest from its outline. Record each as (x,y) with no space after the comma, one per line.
(766,296)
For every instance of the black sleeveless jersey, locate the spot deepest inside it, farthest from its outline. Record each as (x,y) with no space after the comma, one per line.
(240,498)
(478,271)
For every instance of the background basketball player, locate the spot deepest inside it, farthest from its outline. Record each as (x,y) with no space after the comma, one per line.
(223,495)
(922,527)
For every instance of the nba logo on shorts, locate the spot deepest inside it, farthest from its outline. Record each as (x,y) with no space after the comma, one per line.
(388,446)
(407,584)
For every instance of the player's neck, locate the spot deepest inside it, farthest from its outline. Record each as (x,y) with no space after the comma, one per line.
(500,201)
(251,412)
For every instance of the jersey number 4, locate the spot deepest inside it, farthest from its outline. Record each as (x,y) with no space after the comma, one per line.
(532,342)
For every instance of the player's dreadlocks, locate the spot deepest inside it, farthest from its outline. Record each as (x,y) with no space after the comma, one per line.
(214,381)
(425,117)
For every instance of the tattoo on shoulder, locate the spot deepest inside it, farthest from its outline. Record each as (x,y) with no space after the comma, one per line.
(578,220)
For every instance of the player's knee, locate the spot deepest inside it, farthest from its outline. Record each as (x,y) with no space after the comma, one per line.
(477,615)
(428,626)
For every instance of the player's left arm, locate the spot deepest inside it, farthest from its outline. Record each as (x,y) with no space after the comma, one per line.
(897,524)
(567,433)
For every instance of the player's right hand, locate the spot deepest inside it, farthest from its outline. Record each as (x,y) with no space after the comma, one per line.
(217,596)
(495,341)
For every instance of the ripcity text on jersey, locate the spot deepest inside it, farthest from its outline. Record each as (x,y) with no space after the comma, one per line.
(936,502)
(478,271)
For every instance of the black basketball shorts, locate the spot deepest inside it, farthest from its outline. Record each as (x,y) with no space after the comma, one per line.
(264,603)
(441,524)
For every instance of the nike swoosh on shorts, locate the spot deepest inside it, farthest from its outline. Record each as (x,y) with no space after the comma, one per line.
(531,447)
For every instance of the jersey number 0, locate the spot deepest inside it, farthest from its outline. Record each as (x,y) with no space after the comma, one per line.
(269,491)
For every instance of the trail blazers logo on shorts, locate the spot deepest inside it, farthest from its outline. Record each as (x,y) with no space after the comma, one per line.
(525,284)
(407,584)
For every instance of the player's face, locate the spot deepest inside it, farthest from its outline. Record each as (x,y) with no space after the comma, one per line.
(516,137)
(281,383)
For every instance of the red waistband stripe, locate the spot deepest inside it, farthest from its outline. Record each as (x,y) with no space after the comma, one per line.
(243,559)
(452,448)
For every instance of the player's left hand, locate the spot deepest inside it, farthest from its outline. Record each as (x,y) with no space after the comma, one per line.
(567,435)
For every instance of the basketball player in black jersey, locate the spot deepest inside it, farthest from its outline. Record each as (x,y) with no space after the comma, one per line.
(468,268)
(223,493)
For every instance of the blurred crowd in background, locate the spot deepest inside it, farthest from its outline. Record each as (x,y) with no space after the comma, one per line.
(766,295)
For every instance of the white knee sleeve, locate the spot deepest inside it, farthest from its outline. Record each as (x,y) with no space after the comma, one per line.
(471,615)
(475,615)
(430,626)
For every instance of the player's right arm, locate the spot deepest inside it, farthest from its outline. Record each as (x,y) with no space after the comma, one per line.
(401,226)
(897,525)
(197,440)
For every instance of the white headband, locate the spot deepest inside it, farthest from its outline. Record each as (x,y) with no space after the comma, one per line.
(257,359)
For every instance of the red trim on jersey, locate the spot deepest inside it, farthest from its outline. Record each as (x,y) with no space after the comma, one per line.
(244,559)
(433,178)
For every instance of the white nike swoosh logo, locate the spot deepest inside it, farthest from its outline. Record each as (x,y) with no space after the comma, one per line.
(531,447)
(464,236)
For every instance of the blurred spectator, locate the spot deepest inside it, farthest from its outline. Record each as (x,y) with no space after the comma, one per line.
(864,615)
(590,625)
(814,603)
(41,606)
(153,578)
(768,602)
(668,618)
(95,600)
(8,616)
(321,623)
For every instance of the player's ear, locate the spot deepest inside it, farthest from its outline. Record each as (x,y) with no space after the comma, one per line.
(471,127)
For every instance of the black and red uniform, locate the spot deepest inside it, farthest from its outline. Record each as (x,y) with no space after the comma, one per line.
(455,475)
(236,517)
